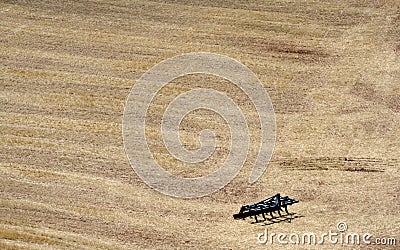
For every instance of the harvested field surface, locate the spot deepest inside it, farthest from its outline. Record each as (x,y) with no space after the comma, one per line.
(331,68)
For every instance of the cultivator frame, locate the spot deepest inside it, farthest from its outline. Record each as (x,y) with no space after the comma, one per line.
(272,204)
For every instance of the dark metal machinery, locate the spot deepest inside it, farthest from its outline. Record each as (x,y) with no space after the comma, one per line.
(273,204)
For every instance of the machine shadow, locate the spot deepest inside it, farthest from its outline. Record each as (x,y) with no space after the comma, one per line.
(284,218)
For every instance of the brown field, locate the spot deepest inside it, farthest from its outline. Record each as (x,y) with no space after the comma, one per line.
(331,68)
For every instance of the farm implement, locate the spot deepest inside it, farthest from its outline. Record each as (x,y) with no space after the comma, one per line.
(271,205)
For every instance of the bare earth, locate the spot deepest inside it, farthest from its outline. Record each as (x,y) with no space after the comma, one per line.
(331,68)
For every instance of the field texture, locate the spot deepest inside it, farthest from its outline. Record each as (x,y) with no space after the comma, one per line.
(331,68)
